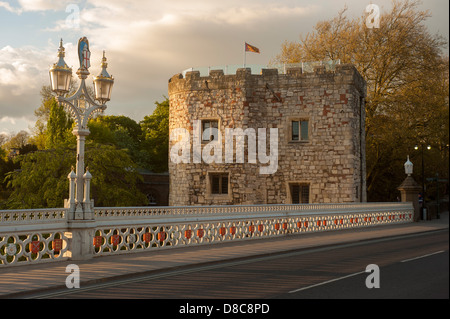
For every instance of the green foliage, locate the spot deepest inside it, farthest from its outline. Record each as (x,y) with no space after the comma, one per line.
(156,137)
(115,177)
(42,181)
(59,125)
(120,131)
(6,166)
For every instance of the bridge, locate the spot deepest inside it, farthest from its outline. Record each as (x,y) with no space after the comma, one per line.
(35,236)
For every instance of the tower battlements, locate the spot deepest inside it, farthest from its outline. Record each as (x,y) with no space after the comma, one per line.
(217,79)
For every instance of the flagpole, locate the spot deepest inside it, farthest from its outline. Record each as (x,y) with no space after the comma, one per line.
(245,55)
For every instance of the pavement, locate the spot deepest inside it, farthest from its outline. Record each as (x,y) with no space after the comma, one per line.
(25,280)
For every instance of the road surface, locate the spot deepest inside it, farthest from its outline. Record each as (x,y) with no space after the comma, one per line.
(410,266)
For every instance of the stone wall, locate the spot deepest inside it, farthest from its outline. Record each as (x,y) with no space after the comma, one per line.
(331,161)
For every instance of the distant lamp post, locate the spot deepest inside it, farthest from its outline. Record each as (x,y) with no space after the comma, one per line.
(82,107)
(421,146)
(409,189)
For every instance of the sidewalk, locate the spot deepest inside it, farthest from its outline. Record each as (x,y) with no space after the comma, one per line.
(15,281)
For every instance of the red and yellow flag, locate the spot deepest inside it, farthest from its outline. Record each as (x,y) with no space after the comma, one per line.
(251,48)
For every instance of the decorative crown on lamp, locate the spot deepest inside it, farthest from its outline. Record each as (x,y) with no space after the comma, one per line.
(60,74)
(103,83)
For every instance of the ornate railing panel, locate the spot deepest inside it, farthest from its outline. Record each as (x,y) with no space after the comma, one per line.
(32,247)
(45,235)
(156,228)
(32,236)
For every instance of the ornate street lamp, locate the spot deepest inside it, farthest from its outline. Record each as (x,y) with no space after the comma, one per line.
(82,107)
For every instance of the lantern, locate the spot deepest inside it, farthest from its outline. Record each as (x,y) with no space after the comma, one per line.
(103,83)
(408,167)
(60,74)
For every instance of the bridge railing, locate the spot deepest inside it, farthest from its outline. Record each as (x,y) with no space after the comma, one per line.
(122,230)
(33,236)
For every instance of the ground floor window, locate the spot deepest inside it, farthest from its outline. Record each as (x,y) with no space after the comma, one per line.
(299,193)
(219,183)
(151,199)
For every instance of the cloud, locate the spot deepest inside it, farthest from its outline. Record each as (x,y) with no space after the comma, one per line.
(37,5)
(11,126)
(23,71)
(44,5)
(9,8)
(146,43)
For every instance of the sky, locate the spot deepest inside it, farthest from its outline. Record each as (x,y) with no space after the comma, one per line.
(147,42)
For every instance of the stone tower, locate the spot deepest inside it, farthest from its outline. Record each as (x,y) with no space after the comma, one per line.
(314,123)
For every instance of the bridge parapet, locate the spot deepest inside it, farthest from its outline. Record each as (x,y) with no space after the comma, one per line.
(25,239)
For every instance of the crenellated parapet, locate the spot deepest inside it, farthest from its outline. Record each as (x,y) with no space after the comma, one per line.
(192,81)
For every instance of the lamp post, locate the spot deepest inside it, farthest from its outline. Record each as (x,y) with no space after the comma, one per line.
(82,107)
(423,174)
(409,189)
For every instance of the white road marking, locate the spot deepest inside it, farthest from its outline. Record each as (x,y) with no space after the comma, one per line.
(423,256)
(326,282)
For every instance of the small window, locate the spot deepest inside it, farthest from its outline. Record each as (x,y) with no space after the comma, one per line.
(151,199)
(207,124)
(219,183)
(299,193)
(300,131)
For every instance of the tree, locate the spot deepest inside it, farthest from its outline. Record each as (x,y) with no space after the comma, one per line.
(48,111)
(407,84)
(115,177)
(16,141)
(6,165)
(59,125)
(156,137)
(42,180)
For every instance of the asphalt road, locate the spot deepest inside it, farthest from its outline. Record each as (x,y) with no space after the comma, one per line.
(412,266)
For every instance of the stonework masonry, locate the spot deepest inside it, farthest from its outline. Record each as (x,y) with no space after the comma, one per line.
(330,161)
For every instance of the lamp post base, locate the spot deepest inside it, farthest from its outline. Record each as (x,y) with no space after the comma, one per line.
(409,190)
(80,235)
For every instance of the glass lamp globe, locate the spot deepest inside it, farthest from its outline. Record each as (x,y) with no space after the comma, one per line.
(103,83)
(408,167)
(60,74)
